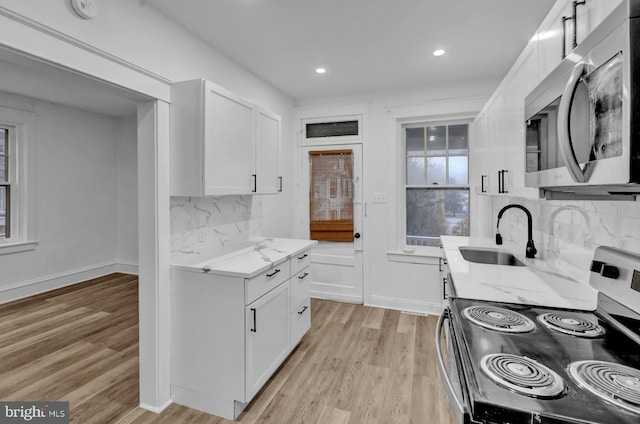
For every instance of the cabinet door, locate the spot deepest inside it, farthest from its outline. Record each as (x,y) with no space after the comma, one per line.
(495,132)
(550,37)
(300,322)
(591,14)
(229,140)
(479,163)
(268,179)
(267,335)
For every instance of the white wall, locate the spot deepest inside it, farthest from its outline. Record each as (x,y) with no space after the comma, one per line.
(388,282)
(127,193)
(76,202)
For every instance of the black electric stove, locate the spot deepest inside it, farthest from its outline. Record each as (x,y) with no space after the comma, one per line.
(518,363)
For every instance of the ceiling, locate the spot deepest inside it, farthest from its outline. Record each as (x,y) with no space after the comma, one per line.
(365,45)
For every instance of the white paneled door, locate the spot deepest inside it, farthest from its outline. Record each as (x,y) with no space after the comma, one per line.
(336,266)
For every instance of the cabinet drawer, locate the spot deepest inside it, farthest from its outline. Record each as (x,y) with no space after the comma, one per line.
(265,281)
(300,322)
(300,288)
(300,261)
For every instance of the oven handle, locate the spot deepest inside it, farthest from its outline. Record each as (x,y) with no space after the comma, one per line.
(564,130)
(443,371)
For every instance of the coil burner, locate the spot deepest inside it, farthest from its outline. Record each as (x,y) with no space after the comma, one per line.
(522,375)
(499,319)
(617,384)
(570,324)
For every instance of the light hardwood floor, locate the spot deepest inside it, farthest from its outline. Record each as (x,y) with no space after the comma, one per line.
(357,364)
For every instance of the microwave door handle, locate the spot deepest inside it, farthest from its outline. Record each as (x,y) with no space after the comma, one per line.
(564,130)
(443,371)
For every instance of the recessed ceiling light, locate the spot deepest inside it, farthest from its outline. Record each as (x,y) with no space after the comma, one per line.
(321,70)
(438,52)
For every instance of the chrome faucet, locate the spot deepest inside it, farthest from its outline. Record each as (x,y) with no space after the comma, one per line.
(531,249)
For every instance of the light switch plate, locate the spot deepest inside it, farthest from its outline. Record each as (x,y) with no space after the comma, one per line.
(379,197)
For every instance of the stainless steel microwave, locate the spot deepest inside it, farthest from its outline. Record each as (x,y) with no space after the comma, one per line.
(583,120)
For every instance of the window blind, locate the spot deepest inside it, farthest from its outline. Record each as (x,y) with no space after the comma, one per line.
(331,195)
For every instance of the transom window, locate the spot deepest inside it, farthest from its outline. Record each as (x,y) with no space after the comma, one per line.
(436,181)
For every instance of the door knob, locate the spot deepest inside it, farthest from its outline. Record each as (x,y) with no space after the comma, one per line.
(356,235)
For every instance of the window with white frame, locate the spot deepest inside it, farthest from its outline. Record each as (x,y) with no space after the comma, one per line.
(17,199)
(436,186)
(7,176)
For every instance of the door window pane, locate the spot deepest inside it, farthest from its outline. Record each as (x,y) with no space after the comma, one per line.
(331,195)
(415,171)
(437,170)
(459,170)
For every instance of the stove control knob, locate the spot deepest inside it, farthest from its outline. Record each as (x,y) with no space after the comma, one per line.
(610,271)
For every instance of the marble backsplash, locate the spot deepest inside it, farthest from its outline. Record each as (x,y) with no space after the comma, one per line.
(566,233)
(206,227)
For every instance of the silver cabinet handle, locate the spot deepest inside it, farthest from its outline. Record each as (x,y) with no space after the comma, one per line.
(443,371)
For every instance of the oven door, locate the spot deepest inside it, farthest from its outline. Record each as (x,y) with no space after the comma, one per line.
(450,369)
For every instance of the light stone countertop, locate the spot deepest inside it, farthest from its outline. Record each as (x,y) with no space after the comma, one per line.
(256,256)
(537,283)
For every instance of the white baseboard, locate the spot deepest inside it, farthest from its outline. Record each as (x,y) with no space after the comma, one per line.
(156,409)
(411,306)
(127,268)
(336,297)
(55,281)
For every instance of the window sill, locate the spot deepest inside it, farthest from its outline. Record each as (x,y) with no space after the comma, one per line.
(428,256)
(16,247)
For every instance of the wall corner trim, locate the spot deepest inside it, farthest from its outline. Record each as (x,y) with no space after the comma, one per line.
(156,409)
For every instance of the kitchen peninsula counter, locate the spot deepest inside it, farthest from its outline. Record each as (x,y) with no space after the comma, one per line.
(254,257)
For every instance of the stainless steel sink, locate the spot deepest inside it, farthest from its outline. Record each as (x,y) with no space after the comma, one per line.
(488,255)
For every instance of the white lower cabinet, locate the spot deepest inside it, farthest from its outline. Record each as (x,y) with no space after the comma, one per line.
(230,333)
(300,321)
(267,334)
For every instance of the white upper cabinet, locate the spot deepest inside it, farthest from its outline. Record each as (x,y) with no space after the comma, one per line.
(268,178)
(551,36)
(559,27)
(498,150)
(221,143)
(591,14)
